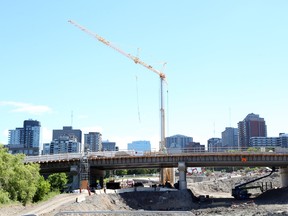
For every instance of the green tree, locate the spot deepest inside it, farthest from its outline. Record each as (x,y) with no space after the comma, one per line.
(121,172)
(58,181)
(253,149)
(43,188)
(135,171)
(16,178)
(152,171)
(142,171)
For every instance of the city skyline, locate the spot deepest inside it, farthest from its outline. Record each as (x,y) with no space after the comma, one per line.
(224,60)
(77,133)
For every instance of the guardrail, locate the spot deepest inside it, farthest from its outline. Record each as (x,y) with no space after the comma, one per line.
(174,151)
(55,157)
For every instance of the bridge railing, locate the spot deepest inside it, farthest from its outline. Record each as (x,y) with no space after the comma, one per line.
(230,150)
(115,153)
(54,157)
(169,151)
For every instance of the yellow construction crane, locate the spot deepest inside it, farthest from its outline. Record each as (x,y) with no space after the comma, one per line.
(162,146)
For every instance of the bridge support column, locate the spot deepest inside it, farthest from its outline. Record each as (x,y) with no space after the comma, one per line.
(74,171)
(182,176)
(284,176)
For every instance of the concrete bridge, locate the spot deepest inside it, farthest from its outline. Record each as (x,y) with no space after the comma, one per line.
(99,162)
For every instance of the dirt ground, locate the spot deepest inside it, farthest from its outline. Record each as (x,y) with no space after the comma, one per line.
(209,197)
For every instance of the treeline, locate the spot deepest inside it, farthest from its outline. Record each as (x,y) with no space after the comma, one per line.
(23,183)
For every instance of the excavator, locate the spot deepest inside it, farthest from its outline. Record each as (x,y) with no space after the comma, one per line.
(241,191)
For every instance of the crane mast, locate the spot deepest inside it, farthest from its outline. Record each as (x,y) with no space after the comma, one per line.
(136,61)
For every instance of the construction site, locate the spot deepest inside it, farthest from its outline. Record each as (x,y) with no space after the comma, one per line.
(206,195)
(225,59)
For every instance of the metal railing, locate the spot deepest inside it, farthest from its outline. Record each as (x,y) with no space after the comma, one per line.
(55,157)
(171,151)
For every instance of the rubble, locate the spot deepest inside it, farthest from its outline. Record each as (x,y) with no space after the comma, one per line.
(211,196)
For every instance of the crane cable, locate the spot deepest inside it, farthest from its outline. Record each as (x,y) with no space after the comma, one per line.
(137,92)
(138,108)
(167,113)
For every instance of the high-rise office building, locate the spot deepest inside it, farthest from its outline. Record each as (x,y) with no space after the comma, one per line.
(109,146)
(230,138)
(14,137)
(64,144)
(270,142)
(139,146)
(283,140)
(25,140)
(215,145)
(67,130)
(31,133)
(178,141)
(93,141)
(194,147)
(264,142)
(251,126)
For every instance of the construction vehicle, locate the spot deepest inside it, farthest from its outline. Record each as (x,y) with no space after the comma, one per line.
(241,191)
(167,174)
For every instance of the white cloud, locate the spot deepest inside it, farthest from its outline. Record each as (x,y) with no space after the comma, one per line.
(26,108)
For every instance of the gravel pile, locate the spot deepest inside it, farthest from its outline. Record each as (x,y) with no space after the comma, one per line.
(161,200)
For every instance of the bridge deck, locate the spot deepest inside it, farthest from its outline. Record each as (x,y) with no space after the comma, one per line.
(243,159)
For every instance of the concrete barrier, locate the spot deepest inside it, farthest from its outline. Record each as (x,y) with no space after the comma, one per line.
(125,190)
(80,198)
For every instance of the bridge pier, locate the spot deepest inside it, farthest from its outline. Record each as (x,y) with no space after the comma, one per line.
(182,176)
(284,176)
(74,171)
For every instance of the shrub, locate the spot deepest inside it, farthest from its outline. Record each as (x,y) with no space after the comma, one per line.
(58,181)
(4,197)
(43,188)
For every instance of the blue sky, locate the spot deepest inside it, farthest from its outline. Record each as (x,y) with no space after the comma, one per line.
(225,59)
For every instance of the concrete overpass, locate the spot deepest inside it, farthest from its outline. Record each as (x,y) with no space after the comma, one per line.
(99,162)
